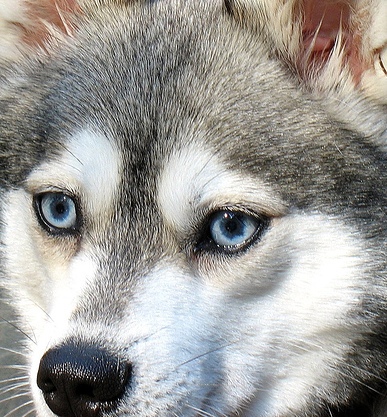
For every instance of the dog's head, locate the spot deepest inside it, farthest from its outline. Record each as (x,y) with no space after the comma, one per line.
(185,228)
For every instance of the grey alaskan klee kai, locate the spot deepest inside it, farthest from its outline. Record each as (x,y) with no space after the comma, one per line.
(193,206)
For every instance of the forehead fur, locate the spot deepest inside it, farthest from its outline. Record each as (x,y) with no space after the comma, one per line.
(175,81)
(208,184)
(90,165)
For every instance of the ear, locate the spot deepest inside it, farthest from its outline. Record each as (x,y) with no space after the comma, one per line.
(26,24)
(331,43)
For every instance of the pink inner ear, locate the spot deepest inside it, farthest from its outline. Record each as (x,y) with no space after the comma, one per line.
(55,13)
(324,20)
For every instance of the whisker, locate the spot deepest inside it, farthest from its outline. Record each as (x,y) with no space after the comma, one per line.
(13,387)
(201,412)
(360,382)
(206,353)
(203,399)
(9,414)
(365,371)
(212,410)
(72,154)
(42,310)
(369,373)
(18,329)
(217,412)
(145,338)
(15,367)
(22,394)
(28,413)
(18,378)
(16,352)
(62,19)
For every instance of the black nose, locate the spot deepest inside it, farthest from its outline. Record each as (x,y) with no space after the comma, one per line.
(82,380)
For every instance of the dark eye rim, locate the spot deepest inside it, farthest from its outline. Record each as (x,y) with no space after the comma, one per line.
(205,244)
(74,230)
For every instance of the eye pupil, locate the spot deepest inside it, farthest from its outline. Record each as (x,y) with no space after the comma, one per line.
(60,208)
(231,224)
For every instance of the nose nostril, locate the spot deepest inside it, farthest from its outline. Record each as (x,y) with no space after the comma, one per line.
(47,386)
(82,380)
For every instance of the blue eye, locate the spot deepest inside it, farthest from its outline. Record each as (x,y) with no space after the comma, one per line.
(57,212)
(231,231)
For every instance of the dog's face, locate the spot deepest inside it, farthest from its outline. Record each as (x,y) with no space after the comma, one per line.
(185,231)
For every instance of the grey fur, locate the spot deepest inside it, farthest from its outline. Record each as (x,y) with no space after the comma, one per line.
(157,75)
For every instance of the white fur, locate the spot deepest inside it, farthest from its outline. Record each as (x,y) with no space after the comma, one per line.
(194,177)
(263,326)
(66,287)
(89,163)
(12,18)
(305,274)
(301,324)
(213,333)
(51,283)
(47,288)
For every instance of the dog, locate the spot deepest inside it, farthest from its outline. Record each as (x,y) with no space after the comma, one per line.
(193,206)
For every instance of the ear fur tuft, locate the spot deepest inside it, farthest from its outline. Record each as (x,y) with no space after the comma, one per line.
(26,24)
(331,44)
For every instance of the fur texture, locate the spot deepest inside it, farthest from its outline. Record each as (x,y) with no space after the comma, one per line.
(193,206)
